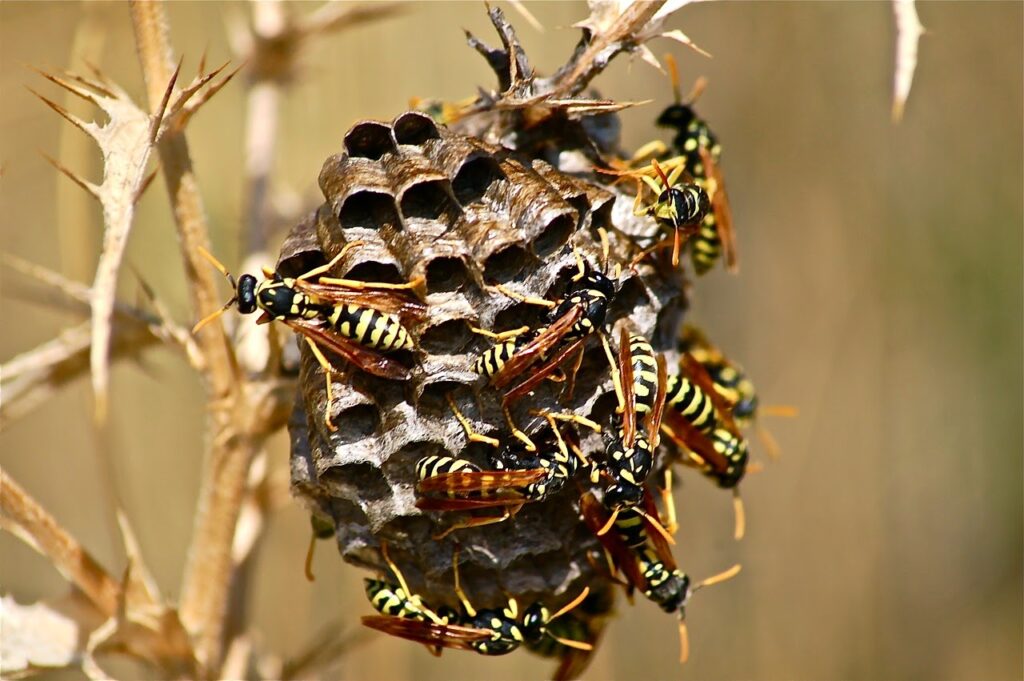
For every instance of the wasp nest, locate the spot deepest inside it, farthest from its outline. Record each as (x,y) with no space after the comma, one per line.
(428,202)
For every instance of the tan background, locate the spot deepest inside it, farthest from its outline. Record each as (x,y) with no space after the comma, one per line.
(880,292)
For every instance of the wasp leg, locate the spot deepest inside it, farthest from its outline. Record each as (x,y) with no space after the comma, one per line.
(504,335)
(470,610)
(501,288)
(568,417)
(316,271)
(616,377)
(570,386)
(516,432)
(669,502)
(328,369)
(652,148)
(309,558)
(471,434)
(478,522)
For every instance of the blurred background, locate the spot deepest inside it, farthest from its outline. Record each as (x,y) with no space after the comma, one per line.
(880,292)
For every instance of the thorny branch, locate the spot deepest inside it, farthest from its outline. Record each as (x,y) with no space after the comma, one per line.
(36,527)
(208,568)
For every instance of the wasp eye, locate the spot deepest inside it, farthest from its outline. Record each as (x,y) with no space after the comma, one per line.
(247,294)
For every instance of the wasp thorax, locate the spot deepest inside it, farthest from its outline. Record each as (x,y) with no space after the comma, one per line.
(247,294)
(278,299)
(621,496)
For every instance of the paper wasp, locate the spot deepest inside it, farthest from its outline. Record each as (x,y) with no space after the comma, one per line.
(646,560)
(531,356)
(629,458)
(586,623)
(357,320)
(516,477)
(702,151)
(702,428)
(492,631)
(733,384)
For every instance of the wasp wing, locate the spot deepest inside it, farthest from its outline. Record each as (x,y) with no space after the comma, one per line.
(699,375)
(363,358)
(723,211)
(527,355)
(658,411)
(542,372)
(408,309)
(686,436)
(596,517)
(427,633)
(628,393)
(466,482)
(656,535)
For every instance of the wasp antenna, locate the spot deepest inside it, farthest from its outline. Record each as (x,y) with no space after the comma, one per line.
(696,91)
(684,642)
(605,248)
(741,515)
(573,604)
(723,576)
(569,643)
(218,264)
(673,75)
(210,317)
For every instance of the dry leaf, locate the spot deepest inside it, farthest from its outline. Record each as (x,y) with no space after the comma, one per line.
(44,635)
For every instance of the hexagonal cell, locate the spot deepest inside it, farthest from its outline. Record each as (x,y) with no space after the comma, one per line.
(429,200)
(475,177)
(504,265)
(368,210)
(369,139)
(630,295)
(554,235)
(356,422)
(446,274)
(352,481)
(414,128)
(447,338)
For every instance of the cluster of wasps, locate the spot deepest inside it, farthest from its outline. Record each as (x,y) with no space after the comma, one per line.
(697,409)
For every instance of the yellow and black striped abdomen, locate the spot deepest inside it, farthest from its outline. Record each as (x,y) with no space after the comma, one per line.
(734,449)
(492,360)
(438,464)
(370,328)
(390,599)
(645,374)
(706,245)
(688,399)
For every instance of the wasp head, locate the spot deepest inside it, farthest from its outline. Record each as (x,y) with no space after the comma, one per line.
(535,620)
(246,294)
(676,116)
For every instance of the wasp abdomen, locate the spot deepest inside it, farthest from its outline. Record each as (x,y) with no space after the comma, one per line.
(688,399)
(370,328)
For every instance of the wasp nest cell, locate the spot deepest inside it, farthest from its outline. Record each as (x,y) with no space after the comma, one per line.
(462,215)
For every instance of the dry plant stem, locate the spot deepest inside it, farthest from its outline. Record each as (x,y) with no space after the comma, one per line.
(596,56)
(50,539)
(209,567)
